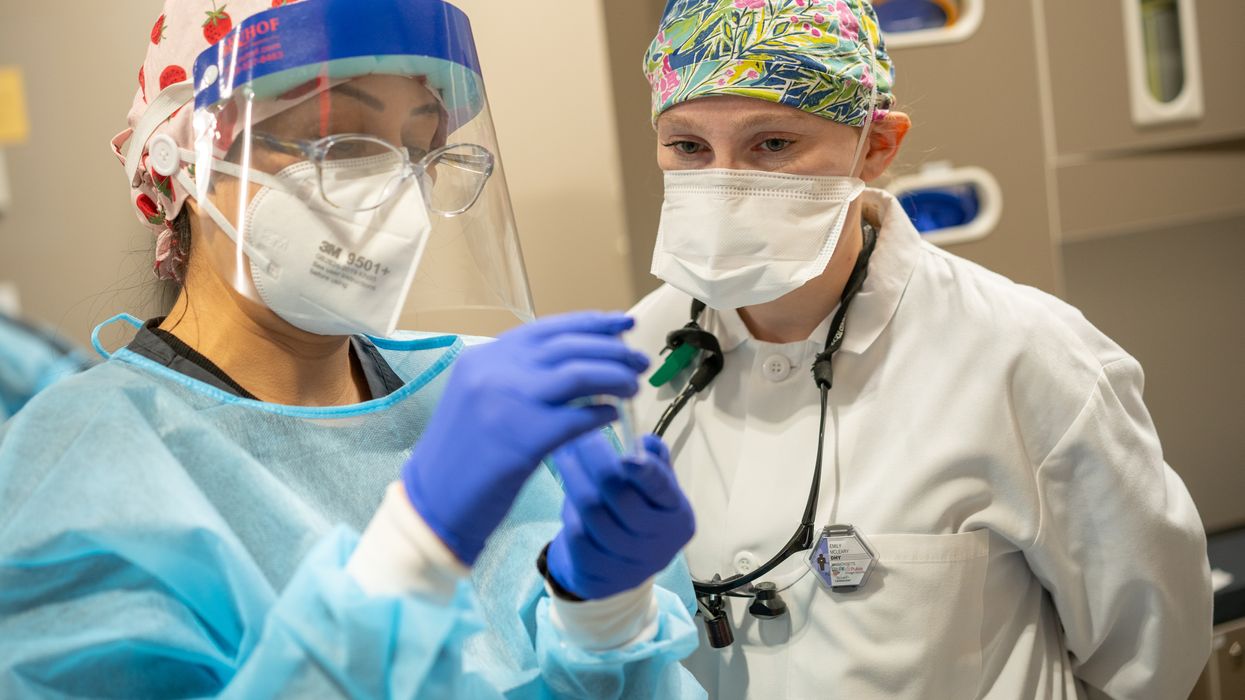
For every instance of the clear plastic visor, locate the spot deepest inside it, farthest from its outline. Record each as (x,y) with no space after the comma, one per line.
(363,203)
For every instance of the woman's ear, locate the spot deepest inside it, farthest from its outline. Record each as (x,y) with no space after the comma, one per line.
(885,138)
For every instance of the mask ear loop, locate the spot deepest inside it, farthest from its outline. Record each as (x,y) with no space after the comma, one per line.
(858,161)
(221,220)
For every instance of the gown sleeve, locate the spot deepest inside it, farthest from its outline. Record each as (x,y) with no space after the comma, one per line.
(119,579)
(645,668)
(626,646)
(576,665)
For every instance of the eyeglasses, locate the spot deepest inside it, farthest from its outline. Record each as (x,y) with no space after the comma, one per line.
(452,177)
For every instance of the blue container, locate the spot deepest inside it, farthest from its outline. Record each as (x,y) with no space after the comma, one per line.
(898,16)
(938,209)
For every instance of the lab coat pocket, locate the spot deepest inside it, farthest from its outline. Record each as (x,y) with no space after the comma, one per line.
(913,630)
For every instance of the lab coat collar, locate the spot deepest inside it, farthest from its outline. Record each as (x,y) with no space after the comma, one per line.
(893,261)
(728,327)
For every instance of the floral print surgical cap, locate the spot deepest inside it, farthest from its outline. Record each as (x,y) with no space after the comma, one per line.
(824,57)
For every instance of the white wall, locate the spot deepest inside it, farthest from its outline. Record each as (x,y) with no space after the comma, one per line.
(78,255)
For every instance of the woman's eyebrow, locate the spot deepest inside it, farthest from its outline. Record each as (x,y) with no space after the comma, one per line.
(430,108)
(676,123)
(767,122)
(375,104)
(749,123)
(361,96)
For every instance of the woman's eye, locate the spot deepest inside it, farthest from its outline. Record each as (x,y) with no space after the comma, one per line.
(775,145)
(687,148)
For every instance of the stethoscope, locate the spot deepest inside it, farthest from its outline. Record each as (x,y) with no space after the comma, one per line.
(682,346)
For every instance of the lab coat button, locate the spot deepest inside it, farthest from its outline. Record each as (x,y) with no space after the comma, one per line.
(745,562)
(776,368)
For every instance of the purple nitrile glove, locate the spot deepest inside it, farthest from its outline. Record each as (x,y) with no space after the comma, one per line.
(623,521)
(509,404)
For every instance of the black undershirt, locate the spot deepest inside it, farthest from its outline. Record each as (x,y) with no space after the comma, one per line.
(164,348)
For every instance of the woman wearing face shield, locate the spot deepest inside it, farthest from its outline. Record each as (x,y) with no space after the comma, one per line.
(913,478)
(182,520)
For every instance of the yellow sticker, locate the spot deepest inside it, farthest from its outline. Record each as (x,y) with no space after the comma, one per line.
(14,124)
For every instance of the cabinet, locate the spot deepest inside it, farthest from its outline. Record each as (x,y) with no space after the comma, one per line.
(1150,190)
(1089,57)
(948,88)
(1224,678)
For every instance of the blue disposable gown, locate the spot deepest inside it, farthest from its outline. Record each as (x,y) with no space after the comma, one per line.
(162,538)
(31,361)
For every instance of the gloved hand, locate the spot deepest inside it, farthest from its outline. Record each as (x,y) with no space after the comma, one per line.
(508,405)
(623,521)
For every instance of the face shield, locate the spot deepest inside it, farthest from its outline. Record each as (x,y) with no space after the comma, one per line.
(346,170)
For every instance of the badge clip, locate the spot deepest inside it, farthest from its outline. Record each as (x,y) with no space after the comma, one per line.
(842,559)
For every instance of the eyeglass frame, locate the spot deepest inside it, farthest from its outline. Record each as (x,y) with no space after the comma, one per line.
(317,151)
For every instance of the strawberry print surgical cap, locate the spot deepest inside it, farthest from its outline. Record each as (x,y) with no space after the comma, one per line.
(184,30)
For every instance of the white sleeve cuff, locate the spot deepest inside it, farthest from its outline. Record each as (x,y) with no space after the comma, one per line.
(621,620)
(400,555)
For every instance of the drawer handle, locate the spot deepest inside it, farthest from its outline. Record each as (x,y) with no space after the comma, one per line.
(1164,63)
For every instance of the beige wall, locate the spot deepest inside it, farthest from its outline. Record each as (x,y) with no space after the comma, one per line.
(70,243)
(548,77)
(78,255)
(631,29)
(1174,298)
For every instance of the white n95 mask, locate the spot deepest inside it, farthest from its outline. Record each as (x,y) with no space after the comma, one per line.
(735,238)
(331,270)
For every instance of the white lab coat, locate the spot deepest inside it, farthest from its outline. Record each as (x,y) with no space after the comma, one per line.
(992,446)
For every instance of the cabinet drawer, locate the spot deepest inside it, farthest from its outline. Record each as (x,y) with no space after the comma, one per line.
(1149,191)
(1090,77)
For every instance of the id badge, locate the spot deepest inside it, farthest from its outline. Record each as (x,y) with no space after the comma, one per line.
(841,559)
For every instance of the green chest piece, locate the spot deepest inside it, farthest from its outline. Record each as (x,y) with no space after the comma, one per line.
(675,362)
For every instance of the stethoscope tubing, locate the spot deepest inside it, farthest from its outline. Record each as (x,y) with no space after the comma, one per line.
(823,373)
